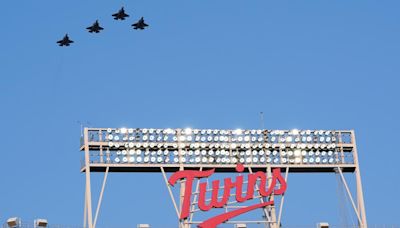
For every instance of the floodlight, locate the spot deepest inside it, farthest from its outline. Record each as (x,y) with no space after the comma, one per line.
(188,131)
(110,137)
(131,159)
(41,222)
(248,160)
(323,225)
(117,160)
(123,130)
(13,222)
(317,159)
(284,160)
(204,160)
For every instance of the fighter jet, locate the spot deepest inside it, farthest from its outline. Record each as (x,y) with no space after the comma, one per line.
(65,41)
(120,15)
(95,27)
(140,24)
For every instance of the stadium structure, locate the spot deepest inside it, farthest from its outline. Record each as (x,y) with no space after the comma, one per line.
(195,155)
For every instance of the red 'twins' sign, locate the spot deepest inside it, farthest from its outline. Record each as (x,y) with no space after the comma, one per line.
(252,178)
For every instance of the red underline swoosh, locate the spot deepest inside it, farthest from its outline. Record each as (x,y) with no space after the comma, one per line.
(214,221)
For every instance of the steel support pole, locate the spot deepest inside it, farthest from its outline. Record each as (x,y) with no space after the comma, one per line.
(101,196)
(272,210)
(351,199)
(360,194)
(262,201)
(282,200)
(87,172)
(170,192)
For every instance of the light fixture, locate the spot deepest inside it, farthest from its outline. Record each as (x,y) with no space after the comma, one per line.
(40,222)
(13,222)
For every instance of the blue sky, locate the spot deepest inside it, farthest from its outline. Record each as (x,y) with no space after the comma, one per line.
(306,64)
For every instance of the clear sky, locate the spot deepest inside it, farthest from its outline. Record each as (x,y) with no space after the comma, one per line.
(307,64)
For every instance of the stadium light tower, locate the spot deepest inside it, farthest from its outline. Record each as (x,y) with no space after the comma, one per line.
(217,150)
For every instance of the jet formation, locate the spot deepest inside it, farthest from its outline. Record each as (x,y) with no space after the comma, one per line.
(96,28)
(140,24)
(65,41)
(120,15)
